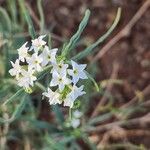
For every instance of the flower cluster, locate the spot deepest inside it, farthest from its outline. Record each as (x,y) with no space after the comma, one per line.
(63,85)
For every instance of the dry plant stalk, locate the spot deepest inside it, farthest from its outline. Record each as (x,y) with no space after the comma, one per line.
(124,32)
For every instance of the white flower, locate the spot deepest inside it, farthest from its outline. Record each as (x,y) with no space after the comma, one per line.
(69,101)
(16,70)
(38,43)
(77,114)
(27,78)
(53,96)
(60,80)
(77,72)
(73,95)
(75,122)
(77,91)
(48,56)
(61,68)
(35,62)
(22,82)
(23,52)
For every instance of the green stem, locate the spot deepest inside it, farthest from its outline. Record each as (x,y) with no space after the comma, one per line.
(89,49)
(42,20)
(70,114)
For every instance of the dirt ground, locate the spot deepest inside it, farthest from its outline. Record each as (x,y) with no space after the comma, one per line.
(131,52)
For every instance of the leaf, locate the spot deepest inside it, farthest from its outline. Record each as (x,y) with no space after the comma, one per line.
(7,58)
(40,86)
(49,41)
(94,82)
(40,9)
(5,21)
(68,47)
(20,108)
(87,51)
(53,144)
(13,11)
(12,98)
(28,19)
(59,115)
(17,111)
(43,125)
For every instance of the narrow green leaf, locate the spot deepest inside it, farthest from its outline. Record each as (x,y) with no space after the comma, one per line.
(7,56)
(87,51)
(13,10)
(28,19)
(5,21)
(40,86)
(17,111)
(53,144)
(67,139)
(40,9)
(70,114)
(42,125)
(94,82)
(50,41)
(59,115)
(20,108)
(68,47)
(12,98)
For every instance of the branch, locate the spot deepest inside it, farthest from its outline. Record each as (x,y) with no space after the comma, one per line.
(142,121)
(108,89)
(124,32)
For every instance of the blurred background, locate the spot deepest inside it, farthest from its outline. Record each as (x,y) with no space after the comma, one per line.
(117,117)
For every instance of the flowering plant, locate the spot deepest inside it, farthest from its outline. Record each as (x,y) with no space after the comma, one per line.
(37,57)
(64,80)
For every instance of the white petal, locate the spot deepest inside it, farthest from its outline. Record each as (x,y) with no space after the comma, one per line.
(61,86)
(68,102)
(82,66)
(42,36)
(53,82)
(74,64)
(83,75)
(70,72)
(75,79)
(77,114)
(75,123)
(12,72)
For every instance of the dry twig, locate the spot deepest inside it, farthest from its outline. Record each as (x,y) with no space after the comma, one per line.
(121,134)
(136,121)
(108,89)
(33,15)
(124,32)
(132,101)
(37,22)
(26,34)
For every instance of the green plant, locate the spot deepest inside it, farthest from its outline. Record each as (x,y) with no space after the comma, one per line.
(19,109)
